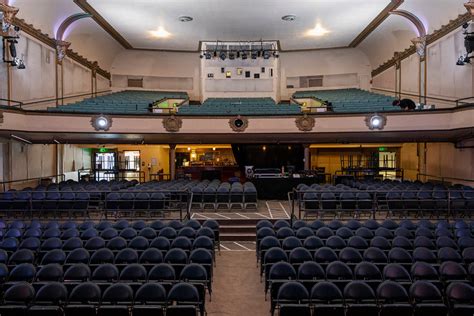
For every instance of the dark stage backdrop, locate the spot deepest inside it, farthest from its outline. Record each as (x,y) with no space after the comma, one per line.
(274,156)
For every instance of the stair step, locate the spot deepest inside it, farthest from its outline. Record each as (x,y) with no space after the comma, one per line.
(236,237)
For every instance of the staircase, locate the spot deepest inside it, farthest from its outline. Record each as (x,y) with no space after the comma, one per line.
(238,229)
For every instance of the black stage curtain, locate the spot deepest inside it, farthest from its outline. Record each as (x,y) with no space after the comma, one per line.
(274,155)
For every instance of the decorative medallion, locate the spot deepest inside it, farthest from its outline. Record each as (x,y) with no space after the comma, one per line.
(305,123)
(239,124)
(172,124)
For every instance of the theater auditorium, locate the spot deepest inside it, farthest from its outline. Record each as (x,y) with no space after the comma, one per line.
(237,157)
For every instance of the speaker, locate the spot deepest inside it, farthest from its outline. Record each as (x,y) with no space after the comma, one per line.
(249,172)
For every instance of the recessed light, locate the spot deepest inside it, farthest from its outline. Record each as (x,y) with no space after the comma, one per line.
(289,17)
(160,33)
(318,30)
(185,18)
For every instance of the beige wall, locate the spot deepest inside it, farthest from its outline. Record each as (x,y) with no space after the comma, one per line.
(329,63)
(445,80)
(444,160)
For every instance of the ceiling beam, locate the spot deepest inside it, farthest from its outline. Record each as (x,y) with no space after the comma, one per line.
(99,19)
(393,5)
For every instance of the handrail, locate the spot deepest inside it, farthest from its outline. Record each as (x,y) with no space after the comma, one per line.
(462,99)
(67,97)
(18,103)
(442,178)
(450,203)
(61,177)
(419,96)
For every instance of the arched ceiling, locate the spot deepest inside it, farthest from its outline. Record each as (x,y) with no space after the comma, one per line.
(120,24)
(395,33)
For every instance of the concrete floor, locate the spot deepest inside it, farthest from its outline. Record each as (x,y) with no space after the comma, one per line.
(237,290)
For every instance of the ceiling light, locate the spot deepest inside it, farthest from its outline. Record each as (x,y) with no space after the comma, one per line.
(160,33)
(318,30)
(289,17)
(185,18)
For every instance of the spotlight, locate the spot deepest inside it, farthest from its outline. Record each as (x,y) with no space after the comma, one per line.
(266,54)
(376,121)
(101,122)
(21,64)
(244,55)
(231,55)
(222,55)
(254,54)
(207,55)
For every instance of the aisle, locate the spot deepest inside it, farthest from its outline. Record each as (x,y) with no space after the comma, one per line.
(237,290)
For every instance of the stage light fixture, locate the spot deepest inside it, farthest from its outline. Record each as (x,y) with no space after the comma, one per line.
(222,55)
(266,54)
(254,54)
(244,55)
(376,121)
(231,55)
(101,122)
(468,45)
(208,55)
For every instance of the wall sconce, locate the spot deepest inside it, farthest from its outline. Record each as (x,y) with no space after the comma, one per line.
(101,122)
(376,121)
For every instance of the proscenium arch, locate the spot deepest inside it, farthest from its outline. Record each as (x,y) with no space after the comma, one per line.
(413,19)
(68,22)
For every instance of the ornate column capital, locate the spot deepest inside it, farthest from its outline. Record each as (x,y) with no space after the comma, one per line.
(470,7)
(420,44)
(9,14)
(61,50)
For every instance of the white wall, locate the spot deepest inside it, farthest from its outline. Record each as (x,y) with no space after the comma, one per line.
(332,62)
(159,70)
(445,80)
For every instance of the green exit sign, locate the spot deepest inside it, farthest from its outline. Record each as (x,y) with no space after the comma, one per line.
(103,150)
(382,148)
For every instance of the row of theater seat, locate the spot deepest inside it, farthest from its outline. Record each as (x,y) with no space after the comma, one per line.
(314,253)
(88,299)
(359,299)
(103,274)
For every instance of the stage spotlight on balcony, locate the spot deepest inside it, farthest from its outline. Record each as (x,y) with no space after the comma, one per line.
(231,55)
(101,122)
(244,55)
(376,121)
(207,55)
(222,55)
(266,54)
(254,54)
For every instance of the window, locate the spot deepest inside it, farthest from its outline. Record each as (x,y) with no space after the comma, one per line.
(135,83)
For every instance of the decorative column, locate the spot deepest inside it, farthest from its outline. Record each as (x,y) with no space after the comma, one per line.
(61,52)
(420,44)
(94,67)
(398,75)
(307,157)
(172,161)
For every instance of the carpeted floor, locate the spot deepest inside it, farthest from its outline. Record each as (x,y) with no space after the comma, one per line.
(237,290)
